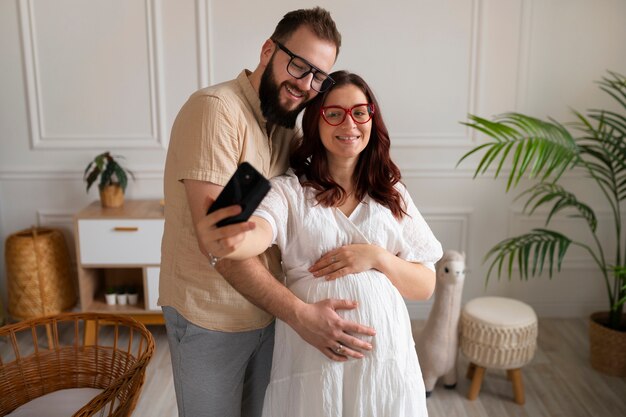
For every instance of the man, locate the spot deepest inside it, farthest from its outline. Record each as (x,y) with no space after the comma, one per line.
(221,342)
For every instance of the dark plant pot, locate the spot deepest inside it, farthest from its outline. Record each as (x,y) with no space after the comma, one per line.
(607,347)
(112,196)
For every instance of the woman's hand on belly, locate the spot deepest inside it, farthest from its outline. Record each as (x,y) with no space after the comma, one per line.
(348,259)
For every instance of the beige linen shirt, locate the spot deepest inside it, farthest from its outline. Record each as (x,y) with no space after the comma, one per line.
(217,128)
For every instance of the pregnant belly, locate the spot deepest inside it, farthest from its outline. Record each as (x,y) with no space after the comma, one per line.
(380,305)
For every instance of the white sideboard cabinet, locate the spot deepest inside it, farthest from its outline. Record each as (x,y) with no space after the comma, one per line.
(120,248)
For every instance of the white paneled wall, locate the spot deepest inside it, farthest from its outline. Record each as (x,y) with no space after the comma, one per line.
(82,76)
(86,90)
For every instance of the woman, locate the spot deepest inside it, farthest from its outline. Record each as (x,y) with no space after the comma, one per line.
(347,228)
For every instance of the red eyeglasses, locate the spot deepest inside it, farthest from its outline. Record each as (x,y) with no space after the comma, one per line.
(336,115)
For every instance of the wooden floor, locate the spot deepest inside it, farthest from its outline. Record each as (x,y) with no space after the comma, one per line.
(558,382)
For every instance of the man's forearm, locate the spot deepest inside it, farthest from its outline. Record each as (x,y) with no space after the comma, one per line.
(252,280)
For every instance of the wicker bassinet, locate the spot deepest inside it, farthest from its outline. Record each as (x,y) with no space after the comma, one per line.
(51,353)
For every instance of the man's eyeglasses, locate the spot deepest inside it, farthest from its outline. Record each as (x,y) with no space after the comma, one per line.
(360,113)
(299,67)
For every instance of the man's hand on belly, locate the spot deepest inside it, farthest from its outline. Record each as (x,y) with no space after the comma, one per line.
(320,326)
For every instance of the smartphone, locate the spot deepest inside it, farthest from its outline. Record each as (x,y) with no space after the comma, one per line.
(247,188)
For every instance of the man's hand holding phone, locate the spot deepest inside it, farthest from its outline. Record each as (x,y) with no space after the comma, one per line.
(218,241)
(246,188)
(226,221)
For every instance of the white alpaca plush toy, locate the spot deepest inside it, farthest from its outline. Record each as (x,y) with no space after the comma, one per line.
(437,345)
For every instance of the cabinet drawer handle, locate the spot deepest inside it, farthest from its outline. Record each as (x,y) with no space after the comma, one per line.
(125,229)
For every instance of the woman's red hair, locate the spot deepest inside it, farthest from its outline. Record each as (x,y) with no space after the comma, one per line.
(375,173)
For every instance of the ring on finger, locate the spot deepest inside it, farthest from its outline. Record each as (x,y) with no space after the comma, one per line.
(339,350)
(333,259)
(213,260)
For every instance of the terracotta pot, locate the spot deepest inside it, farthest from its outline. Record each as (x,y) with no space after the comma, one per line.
(607,347)
(112,196)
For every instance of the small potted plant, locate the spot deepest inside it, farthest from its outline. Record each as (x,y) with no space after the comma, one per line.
(122,296)
(133,296)
(113,178)
(110,296)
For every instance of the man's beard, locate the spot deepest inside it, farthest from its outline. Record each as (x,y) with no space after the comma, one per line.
(270,104)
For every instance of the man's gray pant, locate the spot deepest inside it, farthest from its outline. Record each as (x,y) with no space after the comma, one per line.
(216,373)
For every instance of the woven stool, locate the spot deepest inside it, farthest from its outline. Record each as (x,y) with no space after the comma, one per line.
(498,333)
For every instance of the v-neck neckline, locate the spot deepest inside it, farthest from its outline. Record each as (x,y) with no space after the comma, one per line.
(352,213)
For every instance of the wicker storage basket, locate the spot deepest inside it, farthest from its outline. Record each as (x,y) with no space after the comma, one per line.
(39,277)
(33,365)
(607,347)
(1,313)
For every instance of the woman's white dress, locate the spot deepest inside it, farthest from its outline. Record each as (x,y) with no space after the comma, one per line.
(388,381)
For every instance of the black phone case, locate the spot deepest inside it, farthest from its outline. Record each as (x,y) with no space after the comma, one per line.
(247,188)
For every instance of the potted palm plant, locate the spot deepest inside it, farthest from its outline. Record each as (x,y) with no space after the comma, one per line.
(113,178)
(543,151)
